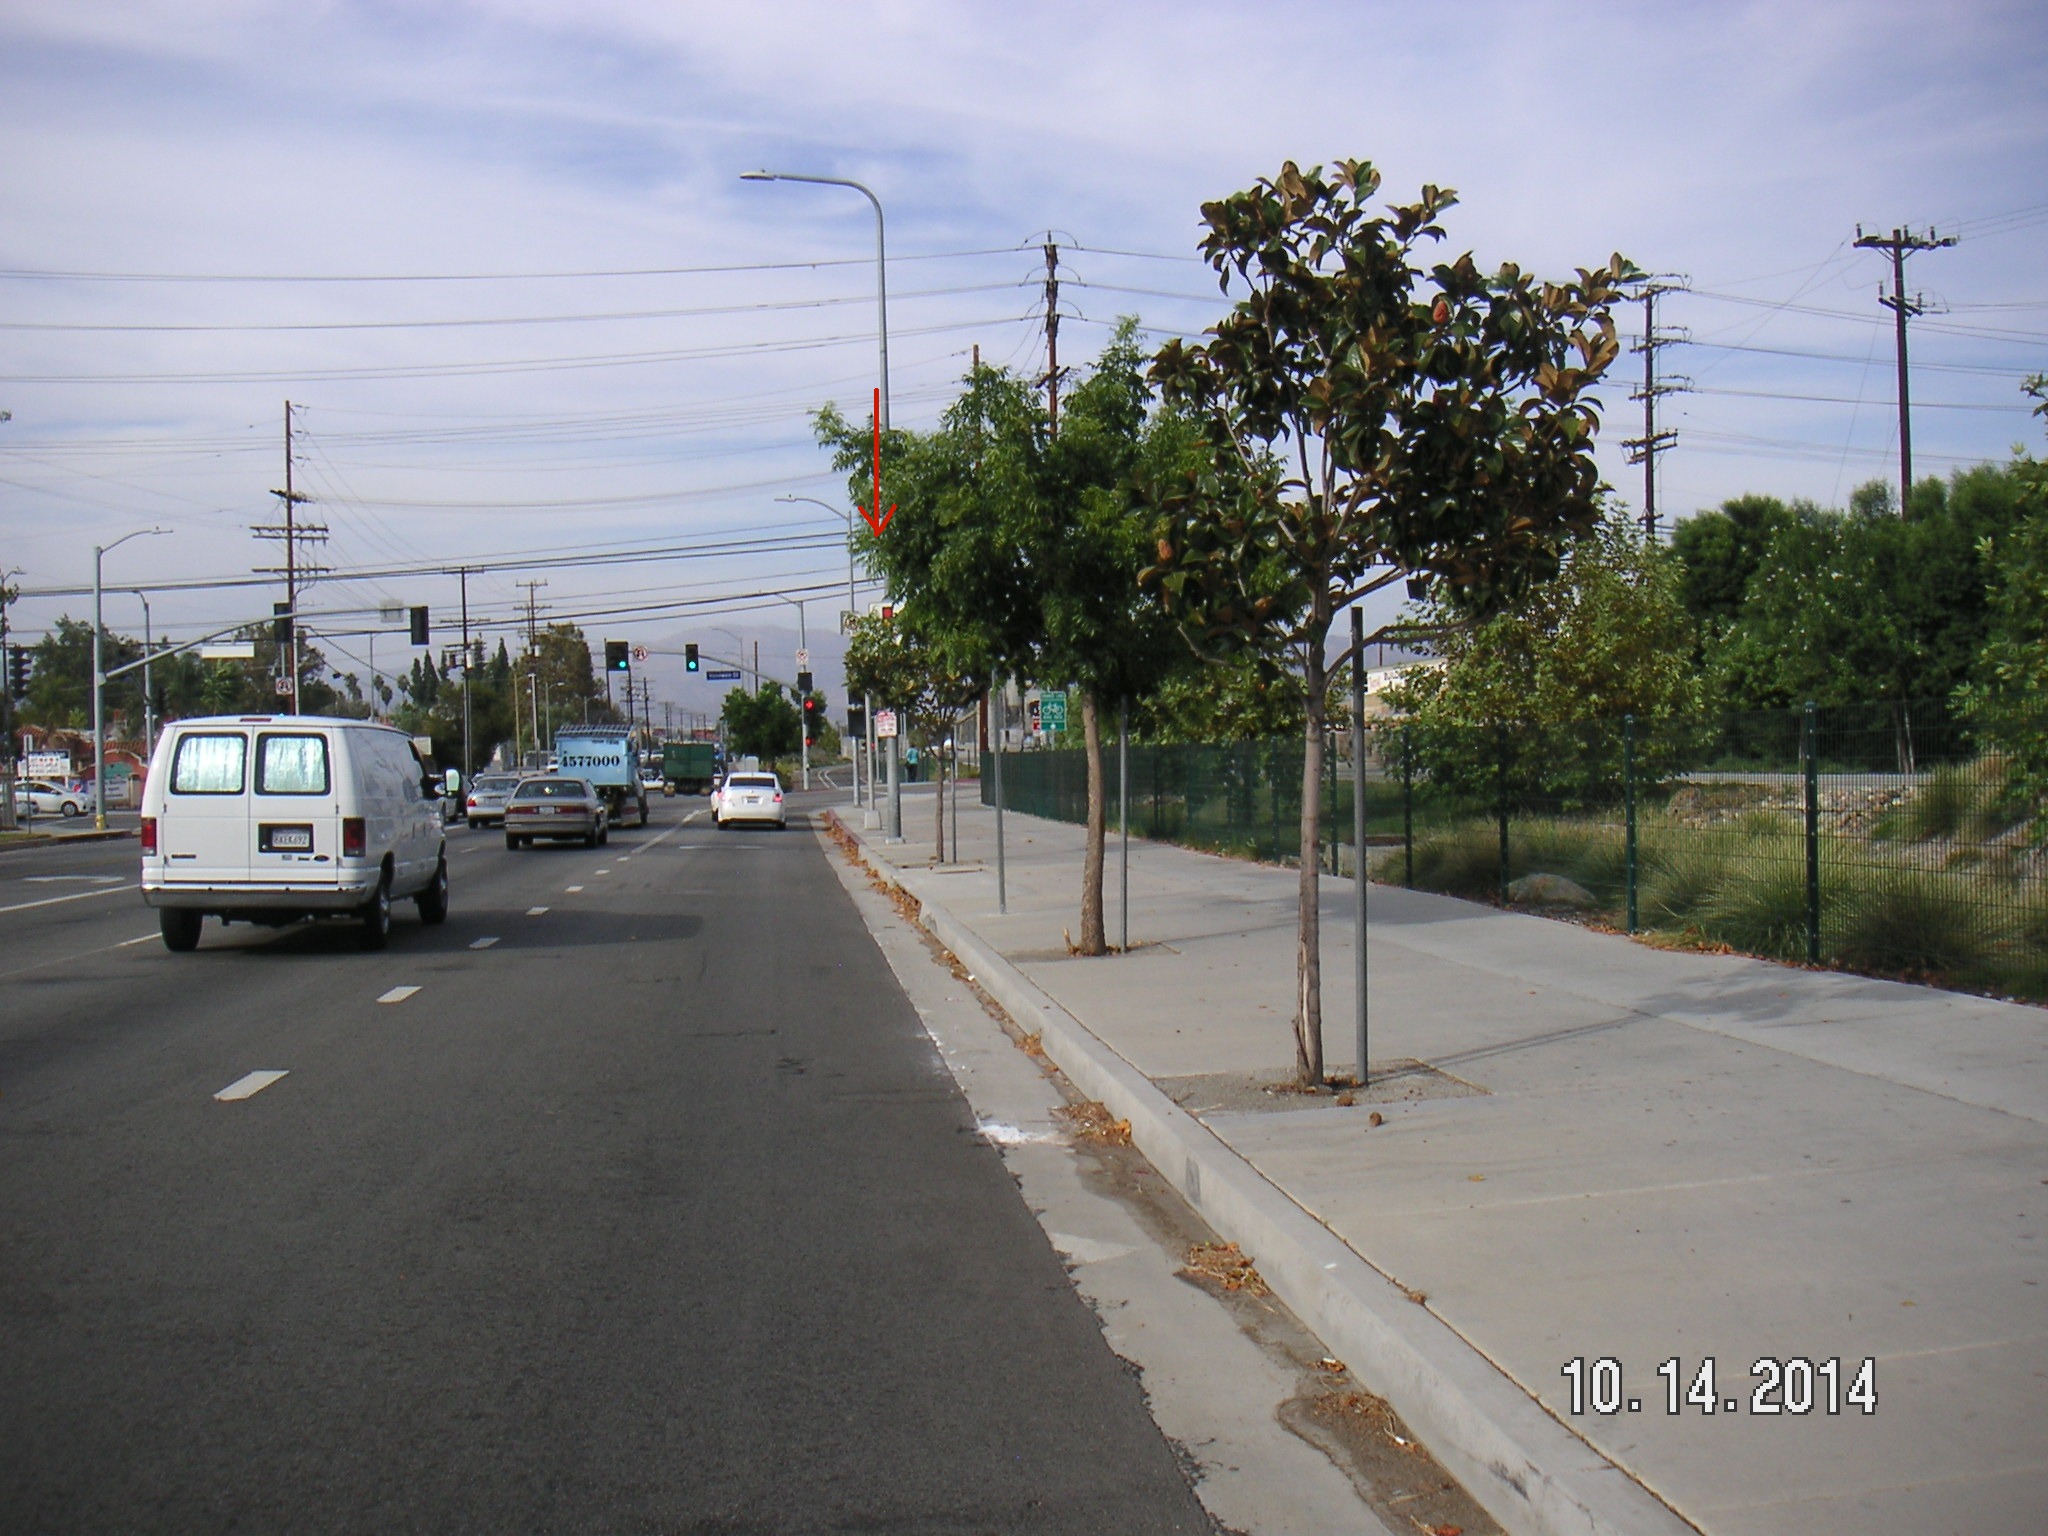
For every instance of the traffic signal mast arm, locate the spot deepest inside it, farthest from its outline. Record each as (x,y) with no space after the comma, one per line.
(179,650)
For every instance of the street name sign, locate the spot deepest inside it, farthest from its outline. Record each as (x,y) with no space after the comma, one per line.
(715,676)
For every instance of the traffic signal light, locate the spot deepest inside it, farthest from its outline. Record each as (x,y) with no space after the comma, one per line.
(17,672)
(690,658)
(856,722)
(617,657)
(419,626)
(281,626)
(813,713)
(803,682)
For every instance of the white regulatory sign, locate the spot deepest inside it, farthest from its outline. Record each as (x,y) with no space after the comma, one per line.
(885,722)
(639,653)
(803,661)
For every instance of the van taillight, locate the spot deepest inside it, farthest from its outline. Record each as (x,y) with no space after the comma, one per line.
(354,839)
(149,837)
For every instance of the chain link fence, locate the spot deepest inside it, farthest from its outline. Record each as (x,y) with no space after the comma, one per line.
(1884,839)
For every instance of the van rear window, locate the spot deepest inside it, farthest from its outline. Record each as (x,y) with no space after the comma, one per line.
(209,764)
(291,765)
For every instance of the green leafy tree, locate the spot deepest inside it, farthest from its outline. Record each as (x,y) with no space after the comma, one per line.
(1607,637)
(1248,698)
(1362,418)
(894,663)
(1016,548)
(764,723)
(2007,699)
(1719,551)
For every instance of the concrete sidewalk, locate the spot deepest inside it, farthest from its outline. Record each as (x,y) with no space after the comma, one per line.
(1591,1150)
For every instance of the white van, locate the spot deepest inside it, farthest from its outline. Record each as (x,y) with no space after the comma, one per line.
(270,819)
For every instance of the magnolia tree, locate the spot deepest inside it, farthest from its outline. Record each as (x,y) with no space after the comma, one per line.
(1363,419)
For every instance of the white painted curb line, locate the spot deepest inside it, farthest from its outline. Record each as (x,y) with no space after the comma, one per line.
(1530,1472)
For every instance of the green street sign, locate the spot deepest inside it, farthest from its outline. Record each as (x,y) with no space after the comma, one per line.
(1052,711)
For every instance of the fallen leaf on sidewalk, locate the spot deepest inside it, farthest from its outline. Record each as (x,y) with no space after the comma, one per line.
(1032,1044)
(1092,1121)
(1226,1265)
(1331,1364)
(1375,1118)
(1475,1178)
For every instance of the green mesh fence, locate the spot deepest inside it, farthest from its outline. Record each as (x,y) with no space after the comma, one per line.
(1884,839)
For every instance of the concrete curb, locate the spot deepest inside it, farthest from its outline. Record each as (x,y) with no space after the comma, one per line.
(1530,1472)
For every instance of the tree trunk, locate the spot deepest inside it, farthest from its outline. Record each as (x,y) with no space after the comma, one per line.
(938,755)
(1308,1014)
(1093,940)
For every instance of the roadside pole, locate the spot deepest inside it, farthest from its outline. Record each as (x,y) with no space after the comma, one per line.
(1358,859)
(1123,810)
(996,758)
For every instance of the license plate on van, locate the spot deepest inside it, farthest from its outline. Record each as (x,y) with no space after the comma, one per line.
(285,840)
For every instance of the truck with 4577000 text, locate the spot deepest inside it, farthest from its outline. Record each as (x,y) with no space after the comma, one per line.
(607,757)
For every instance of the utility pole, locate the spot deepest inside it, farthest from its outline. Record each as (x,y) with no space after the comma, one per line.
(468,665)
(1052,336)
(1900,244)
(6,712)
(1644,450)
(293,533)
(533,657)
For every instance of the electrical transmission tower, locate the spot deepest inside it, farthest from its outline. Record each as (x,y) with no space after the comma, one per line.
(292,533)
(1644,450)
(1900,244)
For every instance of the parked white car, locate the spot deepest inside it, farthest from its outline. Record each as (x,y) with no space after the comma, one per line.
(52,799)
(271,819)
(755,797)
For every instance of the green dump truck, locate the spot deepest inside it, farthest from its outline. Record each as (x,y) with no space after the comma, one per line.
(688,767)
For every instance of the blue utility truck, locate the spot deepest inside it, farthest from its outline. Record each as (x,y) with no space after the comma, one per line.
(608,758)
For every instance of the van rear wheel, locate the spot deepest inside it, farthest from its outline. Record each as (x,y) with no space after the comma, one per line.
(433,901)
(180,929)
(376,930)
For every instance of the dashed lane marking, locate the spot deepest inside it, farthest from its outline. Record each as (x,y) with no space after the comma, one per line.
(604,871)
(536,911)
(51,901)
(71,879)
(572,889)
(484,943)
(397,994)
(248,1087)
(131,943)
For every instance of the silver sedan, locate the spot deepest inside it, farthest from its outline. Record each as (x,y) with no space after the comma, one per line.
(555,807)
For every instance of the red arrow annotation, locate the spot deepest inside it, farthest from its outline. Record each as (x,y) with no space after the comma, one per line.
(878,519)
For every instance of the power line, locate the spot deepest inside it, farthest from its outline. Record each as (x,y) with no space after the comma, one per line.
(32,274)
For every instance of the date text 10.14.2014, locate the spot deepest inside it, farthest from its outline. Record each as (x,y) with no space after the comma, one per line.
(1795,1386)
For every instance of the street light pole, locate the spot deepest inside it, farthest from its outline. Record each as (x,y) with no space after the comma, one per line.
(881,262)
(803,643)
(99,681)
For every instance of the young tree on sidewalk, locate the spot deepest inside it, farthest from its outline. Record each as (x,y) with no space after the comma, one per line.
(1365,419)
(891,661)
(1016,551)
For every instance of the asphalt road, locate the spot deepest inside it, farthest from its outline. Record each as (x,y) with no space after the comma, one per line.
(659,1212)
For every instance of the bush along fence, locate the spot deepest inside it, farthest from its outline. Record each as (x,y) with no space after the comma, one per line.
(1884,839)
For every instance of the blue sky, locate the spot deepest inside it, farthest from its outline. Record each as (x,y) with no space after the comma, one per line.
(496,147)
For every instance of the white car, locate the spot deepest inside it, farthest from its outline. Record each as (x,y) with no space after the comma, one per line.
(755,797)
(271,819)
(51,799)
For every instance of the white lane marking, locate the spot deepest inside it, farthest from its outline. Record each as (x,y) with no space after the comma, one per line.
(247,1087)
(70,879)
(485,943)
(604,871)
(535,911)
(397,994)
(51,901)
(130,943)
(572,889)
